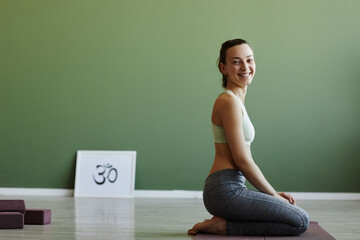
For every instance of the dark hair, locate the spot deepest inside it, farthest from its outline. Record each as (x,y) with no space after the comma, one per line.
(222,58)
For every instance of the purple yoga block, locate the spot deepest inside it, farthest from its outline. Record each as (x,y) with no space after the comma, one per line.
(12,206)
(38,216)
(11,220)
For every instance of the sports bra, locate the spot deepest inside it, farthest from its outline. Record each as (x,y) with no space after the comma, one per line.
(248,128)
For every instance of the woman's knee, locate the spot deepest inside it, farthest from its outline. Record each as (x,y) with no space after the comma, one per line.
(303,223)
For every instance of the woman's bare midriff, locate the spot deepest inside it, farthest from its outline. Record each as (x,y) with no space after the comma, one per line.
(223,158)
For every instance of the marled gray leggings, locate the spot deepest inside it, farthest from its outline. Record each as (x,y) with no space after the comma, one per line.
(250,212)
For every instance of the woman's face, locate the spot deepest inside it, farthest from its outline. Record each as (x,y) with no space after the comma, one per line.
(240,65)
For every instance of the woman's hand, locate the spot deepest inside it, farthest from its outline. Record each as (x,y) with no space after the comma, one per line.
(285,197)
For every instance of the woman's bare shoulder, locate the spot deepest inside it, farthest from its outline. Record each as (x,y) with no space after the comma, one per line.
(224,104)
(226,101)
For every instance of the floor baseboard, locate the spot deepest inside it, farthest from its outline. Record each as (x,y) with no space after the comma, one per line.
(36,192)
(168,194)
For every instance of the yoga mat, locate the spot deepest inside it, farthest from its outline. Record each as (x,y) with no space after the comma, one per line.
(314,232)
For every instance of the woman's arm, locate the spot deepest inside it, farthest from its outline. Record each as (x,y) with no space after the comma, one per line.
(231,118)
(254,175)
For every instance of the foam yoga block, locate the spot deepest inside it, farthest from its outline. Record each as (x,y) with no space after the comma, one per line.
(11,220)
(12,206)
(37,216)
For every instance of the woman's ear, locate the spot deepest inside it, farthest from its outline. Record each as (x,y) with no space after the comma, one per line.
(222,69)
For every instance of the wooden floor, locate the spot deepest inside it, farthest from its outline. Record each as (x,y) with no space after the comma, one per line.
(85,218)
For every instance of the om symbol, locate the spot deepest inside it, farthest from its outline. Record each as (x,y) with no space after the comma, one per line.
(105,172)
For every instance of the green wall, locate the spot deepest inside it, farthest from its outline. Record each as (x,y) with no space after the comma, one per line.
(141,75)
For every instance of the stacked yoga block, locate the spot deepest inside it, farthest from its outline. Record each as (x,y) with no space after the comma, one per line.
(13,215)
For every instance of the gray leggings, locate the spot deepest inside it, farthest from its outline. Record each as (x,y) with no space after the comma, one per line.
(250,212)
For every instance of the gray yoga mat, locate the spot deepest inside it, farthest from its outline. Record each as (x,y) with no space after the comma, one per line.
(314,232)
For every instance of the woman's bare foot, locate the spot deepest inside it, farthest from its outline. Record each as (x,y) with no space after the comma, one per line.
(216,225)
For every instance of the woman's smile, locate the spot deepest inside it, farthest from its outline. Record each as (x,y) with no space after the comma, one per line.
(244,74)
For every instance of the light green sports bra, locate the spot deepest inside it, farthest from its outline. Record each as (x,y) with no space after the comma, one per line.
(248,128)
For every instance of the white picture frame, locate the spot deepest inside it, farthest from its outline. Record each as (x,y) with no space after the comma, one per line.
(105,174)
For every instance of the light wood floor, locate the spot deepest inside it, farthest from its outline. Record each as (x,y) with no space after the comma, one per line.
(85,218)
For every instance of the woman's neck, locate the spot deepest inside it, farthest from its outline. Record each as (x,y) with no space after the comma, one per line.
(238,91)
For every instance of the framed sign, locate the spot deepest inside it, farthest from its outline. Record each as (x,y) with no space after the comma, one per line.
(105,174)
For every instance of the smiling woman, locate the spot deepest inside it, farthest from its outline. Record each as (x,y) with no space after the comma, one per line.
(237,210)
(235,48)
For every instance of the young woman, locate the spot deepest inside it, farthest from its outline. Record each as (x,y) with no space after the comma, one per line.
(237,210)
